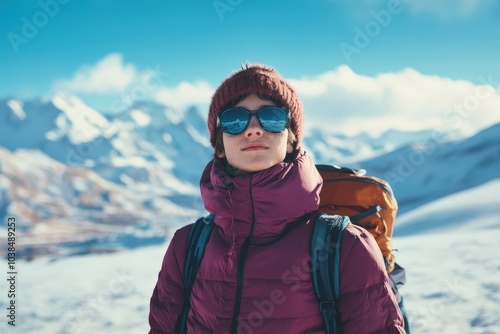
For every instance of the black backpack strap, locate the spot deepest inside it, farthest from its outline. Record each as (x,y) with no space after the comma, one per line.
(197,241)
(325,261)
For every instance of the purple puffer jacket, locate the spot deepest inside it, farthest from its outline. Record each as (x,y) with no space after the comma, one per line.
(255,275)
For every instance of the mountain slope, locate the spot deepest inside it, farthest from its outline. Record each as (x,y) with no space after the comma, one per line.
(67,210)
(449,249)
(471,209)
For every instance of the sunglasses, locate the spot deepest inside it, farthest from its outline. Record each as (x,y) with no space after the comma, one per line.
(272,119)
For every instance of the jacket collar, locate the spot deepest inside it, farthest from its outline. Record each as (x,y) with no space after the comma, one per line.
(272,198)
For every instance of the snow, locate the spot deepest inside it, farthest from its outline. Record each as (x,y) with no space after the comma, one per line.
(174,115)
(167,138)
(453,278)
(477,204)
(17,108)
(86,122)
(140,117)
(87,294)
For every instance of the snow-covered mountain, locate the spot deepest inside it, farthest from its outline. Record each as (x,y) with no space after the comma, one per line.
(424,171)
(80,182)
(128,148)
(71,210)
(332,147)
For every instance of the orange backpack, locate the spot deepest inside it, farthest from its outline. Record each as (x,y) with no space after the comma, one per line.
(368,202)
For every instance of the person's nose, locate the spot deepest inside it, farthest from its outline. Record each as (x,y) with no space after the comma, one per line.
(254,129)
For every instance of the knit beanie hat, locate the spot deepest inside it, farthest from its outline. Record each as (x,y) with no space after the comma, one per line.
(257,79)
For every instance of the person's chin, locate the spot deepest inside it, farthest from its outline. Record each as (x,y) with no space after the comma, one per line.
(257,166)
(254,166)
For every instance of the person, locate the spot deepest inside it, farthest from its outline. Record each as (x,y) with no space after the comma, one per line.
(263,189)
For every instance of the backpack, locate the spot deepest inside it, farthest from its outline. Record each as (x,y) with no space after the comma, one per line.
(347,195)
(368,201)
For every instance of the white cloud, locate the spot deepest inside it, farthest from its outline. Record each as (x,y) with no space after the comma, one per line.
(406,100)
(108,75)
(339,99)
(185,94)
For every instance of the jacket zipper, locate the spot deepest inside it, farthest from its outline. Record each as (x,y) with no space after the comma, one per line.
(241,270)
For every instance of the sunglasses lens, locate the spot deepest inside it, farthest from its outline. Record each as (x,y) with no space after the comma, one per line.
(234,121)
(273,119)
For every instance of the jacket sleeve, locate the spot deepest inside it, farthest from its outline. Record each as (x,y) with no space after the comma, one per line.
(166,302)
(367,303)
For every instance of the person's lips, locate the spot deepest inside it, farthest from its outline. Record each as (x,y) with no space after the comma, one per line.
(254,147)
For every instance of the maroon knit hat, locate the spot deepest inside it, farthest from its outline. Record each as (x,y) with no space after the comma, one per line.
(256,79)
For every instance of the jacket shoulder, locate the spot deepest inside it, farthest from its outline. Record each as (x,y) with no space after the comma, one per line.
(182,234)
(360,256)
(357,236)
(367,304)
(179,242)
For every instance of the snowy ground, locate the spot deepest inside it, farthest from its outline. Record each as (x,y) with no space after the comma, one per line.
(449,247)
(451,252)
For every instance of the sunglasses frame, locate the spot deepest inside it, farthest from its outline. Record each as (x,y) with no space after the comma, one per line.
(256,114)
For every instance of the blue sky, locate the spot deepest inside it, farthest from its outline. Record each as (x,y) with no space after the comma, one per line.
(52,45)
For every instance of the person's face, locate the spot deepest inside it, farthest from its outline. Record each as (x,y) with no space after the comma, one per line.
(255,149)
